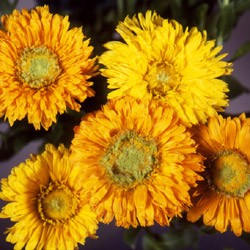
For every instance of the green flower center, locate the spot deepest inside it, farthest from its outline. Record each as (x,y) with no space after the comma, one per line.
(130,158)
(57,203)
(38,67)
(230,173)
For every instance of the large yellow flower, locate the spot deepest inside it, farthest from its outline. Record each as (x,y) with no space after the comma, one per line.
(47,203)
(138,162)
(44,67)
(223,199)
(158,59)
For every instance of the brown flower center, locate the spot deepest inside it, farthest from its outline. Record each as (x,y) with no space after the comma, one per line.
(130,158)
(230,173)
(38,67)
(57,203)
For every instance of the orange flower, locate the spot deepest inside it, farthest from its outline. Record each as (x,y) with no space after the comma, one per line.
(223,198)
(138,162)
(44,67)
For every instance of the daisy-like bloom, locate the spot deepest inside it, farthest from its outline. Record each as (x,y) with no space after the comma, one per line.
(138,162)
(223,198)
(44,67)
(47,203)
(158,59)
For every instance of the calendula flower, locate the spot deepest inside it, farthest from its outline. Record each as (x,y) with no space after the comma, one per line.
(223,198)
(138,162)
(44,67)
(47,203)
(158,59)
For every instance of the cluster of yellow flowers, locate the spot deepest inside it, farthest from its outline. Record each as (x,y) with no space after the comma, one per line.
(156,150)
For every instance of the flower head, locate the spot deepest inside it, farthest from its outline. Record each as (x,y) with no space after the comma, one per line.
(44,67)
(223,198)
(47,203)
(158,59)
(138,162)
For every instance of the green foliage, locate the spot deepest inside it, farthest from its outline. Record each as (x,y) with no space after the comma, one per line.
(241,51)
(20,134)
(99,18)
(7,6)
(173,239)
(131,236)
(226,20)
(235,87)
(63,130)
(15,138)
(179,236)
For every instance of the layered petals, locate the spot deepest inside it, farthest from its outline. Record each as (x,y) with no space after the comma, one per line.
(138,162)
(159,59)
(46,203)
(45,67)
(223,198)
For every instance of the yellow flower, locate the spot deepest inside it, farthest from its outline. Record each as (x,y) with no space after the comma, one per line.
(44,67)
(47,203)
(158,59)
(223,199)
(138,162)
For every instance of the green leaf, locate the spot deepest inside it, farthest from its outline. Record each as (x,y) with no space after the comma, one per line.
(208,230)
(200,16)
(176,7)
(7,6)
(243,50)
(120,9)
(55,134)
(226,21)
(242,5)
(174,239)
(131,236)
(180,238)
(16,137)
(235,87)
(150,242)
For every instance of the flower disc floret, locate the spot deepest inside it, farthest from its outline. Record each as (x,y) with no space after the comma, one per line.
(230,173)
(38,67)
(57,203)
(130,158)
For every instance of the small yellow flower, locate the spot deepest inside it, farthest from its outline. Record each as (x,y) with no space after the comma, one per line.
(160,60)
(44,67)
(223,198)
(47,203)
(138,162)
